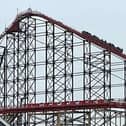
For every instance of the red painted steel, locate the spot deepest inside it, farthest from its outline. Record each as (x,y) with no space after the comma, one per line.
(100,43)
(62,106)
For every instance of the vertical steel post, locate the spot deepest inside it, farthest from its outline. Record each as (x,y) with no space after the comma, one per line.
(125,89)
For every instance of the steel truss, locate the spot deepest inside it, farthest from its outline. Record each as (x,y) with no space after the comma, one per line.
(97,80)
(59,67)
(20,69)
(44,61)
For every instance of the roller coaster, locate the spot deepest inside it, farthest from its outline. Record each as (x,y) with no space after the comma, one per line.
(54,75)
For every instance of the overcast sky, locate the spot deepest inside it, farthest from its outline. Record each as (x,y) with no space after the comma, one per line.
(104,18)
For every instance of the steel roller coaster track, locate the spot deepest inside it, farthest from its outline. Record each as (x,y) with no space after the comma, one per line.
(49,67)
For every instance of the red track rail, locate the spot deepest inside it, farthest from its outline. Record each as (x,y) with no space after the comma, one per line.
(100,43)
(63,106)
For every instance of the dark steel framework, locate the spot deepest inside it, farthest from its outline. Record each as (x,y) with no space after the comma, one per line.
(59,67)
(44,62)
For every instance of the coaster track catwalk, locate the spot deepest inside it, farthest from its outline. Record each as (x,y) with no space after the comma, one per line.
(52,75)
